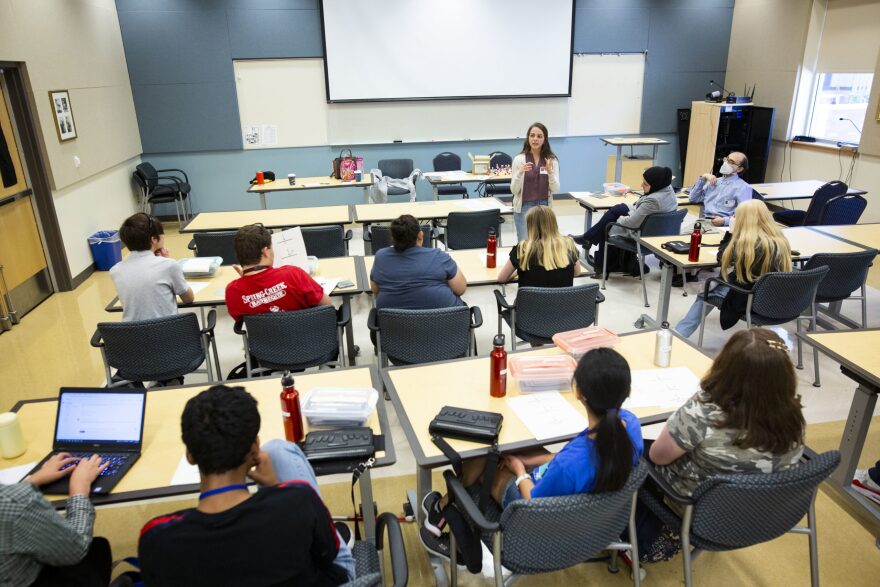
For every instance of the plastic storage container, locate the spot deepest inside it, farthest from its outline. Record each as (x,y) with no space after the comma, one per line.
(577,342)
(615,189)
(339,406)
(200,266)
(548,373)
(106,249)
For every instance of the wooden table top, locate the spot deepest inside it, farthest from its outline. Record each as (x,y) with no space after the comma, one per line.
(283,217)
(623,141)
(606,201)
(854,349)
(419,392)
(162,446)
(793,190)
(281,184)
(425,210)
(465,177)
(867,235)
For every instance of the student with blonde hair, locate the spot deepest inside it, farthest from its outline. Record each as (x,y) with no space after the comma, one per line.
(754,247)
(546,258)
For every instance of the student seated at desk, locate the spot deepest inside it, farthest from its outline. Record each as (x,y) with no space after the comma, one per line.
(262,287)
(597,460)
(408,276)
(280,535)
(38,546)
(545,258)
(720,196)
(745,419)
(147,281)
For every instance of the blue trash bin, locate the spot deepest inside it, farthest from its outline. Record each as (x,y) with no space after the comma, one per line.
(106,249)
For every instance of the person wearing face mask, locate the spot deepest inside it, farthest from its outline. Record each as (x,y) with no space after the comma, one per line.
(721,195)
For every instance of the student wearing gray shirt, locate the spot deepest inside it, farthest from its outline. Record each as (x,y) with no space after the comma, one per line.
(147,281)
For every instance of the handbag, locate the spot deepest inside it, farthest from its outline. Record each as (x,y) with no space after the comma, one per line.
(465,424)
(344,166)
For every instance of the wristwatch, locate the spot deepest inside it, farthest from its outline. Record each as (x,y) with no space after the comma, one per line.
(522,478)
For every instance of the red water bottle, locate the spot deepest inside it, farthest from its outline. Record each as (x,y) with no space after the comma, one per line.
(290,412)
(498,368)
(696,238)
(491,249)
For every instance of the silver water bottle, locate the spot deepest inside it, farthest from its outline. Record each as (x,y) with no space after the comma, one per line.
(663,346)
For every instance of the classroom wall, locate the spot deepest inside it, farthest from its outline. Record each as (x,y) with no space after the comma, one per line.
(77,45)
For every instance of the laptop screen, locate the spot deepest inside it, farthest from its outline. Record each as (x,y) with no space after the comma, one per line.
(100,416)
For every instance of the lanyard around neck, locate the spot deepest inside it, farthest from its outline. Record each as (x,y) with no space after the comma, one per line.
(219,490)
(254,268)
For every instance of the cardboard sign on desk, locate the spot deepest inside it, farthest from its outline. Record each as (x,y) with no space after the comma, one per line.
(290,248)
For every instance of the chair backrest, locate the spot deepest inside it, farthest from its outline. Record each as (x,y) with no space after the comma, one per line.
(845,209)
(664,223)
(293,340)
(140,351)
(396,168)
(832,189)
(499,159)
(549,533)
(216,244)
(325,241)
(421,336)
(148,173)
(469,230)
(735,511)
(784,296)
(447,161)
(380,236)
(542,312)
(846,273)
(756,195)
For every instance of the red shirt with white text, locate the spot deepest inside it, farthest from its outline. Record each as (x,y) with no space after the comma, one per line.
(277,289)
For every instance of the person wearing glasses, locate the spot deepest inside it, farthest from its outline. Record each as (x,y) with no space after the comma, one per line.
(721,195)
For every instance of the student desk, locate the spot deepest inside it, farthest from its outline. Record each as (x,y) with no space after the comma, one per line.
(284,217)
(437,178)
(214,293)
(601,202)
(163,448)
(429,210)
(794,190)
(281,184)
(856,351)
(620,143)
(802,239)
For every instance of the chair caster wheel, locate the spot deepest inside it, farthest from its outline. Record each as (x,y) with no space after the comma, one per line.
(640,323)
(613,570)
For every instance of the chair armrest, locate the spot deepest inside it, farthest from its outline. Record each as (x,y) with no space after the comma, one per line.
(667,488)
(192,245)
(373,320)
(399,568)
(238,327)
(368,234)
(348,235)
(343,315)
(502,302)
(210,322)
(181,171)
(476,317)
(171,178)
(599,297)
(501,219)
(459,496)
(96,339)
(732,286)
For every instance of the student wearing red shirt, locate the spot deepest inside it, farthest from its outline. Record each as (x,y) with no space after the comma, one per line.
(263,288)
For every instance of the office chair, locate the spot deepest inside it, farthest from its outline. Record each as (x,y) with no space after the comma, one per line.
(447,161)
(813,213)
(407,337)
(214,244)
(379,236)
(162,189)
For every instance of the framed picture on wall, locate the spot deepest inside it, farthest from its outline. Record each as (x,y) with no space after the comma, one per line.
(63,111)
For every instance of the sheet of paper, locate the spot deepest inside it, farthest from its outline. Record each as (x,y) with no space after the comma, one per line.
(500,258)
(548,415)
(185,474)
(290,249)
(198,265)
(328,283)
(481,204)
(667,388)
(270,135)
(197,286)
(252,135)
(14,474)
(587,195)
(434,174)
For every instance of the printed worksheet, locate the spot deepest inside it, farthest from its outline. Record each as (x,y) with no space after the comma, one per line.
(290,249)
(548,415)
(667,388)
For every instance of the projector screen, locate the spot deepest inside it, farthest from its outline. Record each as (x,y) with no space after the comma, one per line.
(446,49)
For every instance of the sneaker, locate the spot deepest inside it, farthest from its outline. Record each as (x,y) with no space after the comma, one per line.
(678,281)
(580,240)
(434,520)
(345,533)
(439,545)
(863,483)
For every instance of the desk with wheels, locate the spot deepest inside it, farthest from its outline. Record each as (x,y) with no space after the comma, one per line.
(430,210)
(163,448)
(214,292)
(856,352)
(802,239)
(438,178)
(280,218)
(282,184)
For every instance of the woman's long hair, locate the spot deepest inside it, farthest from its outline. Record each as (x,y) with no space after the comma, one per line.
(755,235)
(603,379)
(753,381)
(544,244)
(546,152)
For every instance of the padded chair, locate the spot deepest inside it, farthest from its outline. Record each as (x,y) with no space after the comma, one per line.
(214,244)
(813,213)
(547,534)
(447,161)
(367,556)
(326,241)
(664,224)
(379,237)
(469,230)
(140,351)
(163,189)
(756,195)
(498,188)
(295,340)
(845,209)
(408,337)
(728,512)
(540,312)
(398,169)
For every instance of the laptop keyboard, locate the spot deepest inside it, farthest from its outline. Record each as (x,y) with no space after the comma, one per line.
(115,460)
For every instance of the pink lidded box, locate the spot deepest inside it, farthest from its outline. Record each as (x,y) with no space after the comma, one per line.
(547,373)
(577,342)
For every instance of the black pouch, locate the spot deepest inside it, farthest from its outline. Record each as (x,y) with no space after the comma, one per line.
(354,443)
(465,424)
(677,247)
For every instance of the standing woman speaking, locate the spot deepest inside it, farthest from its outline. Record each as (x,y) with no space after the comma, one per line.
(535,176)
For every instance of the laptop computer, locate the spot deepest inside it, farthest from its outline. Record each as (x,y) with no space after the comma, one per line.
(98,421)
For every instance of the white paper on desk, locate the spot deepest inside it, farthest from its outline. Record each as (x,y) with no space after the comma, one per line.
(197,286)
(482,204)
(198,265)
(185,474)
(667,388)
(14,474)
(434,174)
(290,249)
(548,415)
(328,283)
(500,258)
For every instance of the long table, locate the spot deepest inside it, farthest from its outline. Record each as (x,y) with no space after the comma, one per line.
(600,202)
(151,475)
(284,217)
(457,177)
(865,235)
(282,184)
(430,210)
(794,190)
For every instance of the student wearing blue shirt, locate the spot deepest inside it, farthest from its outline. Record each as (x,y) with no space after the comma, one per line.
(597,460)
(721,195)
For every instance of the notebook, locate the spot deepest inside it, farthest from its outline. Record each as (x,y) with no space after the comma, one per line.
(98,421)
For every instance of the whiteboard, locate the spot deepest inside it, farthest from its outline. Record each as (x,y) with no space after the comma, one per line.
(289,94)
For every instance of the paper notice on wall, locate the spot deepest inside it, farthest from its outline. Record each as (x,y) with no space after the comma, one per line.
(270,135)
(252,136)
(290,249)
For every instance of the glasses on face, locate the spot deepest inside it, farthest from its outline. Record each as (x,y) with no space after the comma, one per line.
(733,162)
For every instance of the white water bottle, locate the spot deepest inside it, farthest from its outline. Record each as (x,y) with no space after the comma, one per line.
(663,346)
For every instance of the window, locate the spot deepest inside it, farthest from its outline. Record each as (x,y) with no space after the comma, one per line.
(840,96)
